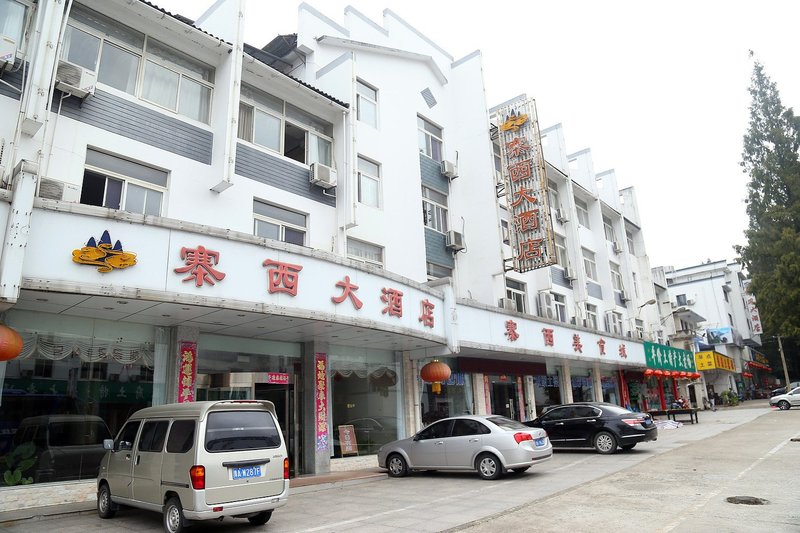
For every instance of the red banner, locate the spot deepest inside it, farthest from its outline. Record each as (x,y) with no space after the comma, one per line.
(187,371)
(321,400)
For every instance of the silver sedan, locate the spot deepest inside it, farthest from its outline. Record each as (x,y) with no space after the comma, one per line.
(489,444)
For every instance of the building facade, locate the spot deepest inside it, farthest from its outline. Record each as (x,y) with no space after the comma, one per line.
(190,217)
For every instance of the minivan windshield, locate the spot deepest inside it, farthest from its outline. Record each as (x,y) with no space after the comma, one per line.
(241,430)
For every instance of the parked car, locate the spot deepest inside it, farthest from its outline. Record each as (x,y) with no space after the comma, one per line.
(786,401)
(67,446)
(602,426)
(197,461)
(782,390)
(489,444)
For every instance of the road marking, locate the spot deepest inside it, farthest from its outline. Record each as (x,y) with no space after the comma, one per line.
(572,464)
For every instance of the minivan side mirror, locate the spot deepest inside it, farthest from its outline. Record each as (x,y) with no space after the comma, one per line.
(108,444)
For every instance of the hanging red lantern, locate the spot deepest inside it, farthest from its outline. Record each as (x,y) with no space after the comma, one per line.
(648,372)
(658,372)
(684,374)
(696,375)
(10,343)
(435,372)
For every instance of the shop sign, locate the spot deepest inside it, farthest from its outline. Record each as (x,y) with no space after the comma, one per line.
(755,317)
(272,378)
(200,264)
(664,357)
(719,335)
(321,401)
(103,255)
(522,162)
(711,360)
(347,440)
(187,371)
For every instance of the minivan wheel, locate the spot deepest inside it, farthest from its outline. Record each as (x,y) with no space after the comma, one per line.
(173,516)
(605,443)
(783,405)
(105,507)
(260,519)
(396,465)
(489,466)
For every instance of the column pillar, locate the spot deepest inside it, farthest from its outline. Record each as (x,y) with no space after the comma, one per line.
(316,393)
(479,394)
(411,396)
(597,383)
(566,382)
(530,398)
(177,371)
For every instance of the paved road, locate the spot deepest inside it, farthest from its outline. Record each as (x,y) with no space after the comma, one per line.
(678,483)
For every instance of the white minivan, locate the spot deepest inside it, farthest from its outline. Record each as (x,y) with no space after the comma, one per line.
(197,461)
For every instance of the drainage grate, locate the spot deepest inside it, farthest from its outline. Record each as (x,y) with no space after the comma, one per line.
(747,500)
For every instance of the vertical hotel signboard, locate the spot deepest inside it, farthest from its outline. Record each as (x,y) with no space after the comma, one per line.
(531,229)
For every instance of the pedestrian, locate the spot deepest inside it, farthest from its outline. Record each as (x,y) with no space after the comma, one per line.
(713,403)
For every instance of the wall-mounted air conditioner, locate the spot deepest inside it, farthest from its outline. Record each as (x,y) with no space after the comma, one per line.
(691,301)
(449,169)
(58,190)
(623,296)
(454,241)
(546,309)
(508,304)
(8,52)
(561,215)
(617,247)
(569,273)
(75,80)
(322,175)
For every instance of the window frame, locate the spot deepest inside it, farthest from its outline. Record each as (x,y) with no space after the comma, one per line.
(440,211)
(560,306)
(21,37)
(631,247)
(552,190)
(282,224)
(360,96)
(432,275)
(591,315)
(518,294)
(589,264)
(363,259)
(582,210)
(126,180)
(608,229)
(428,136)
(562,257)
(616,276)
(365,175)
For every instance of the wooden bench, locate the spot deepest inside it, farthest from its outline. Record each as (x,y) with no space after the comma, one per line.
(672,414)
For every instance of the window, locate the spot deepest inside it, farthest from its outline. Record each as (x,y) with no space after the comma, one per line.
(725,294)
(591,316)
(153,436)
(560,302)
(268,121)
(516,291)
(278,223)
(12,20)
(498,164)
(629,237)
(364,251)
(438,271)
(430,139)
(43,368)
(117,183)
(614,323)
(552,190)
(639,324)
(366,104)
(228,431)
(137,64)
(181,436)
(127,436)
(434,209)
(583,213)
(561,251)
(369,182)
(680,299)
(589,266)
(504,231)
(609,229)
(635,284)
(616,277)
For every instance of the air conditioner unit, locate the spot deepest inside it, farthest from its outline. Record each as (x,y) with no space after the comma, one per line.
(569,273)
(322,175)
(546,309)
(617,247)
(455,241)
(508,304)
(8,52)
(691,301)
(561,215)
(75,80)
(622,296)
(449,169)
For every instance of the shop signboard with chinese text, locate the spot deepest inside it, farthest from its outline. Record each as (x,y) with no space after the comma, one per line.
(712,360)
(659,356)
(522,161)
(753,314)
(347,440)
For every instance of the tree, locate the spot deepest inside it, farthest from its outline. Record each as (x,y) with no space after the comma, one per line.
(772,253)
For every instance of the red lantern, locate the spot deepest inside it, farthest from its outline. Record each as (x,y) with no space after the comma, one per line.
(648,372)
(435,372)
(10,343)
(696,375)
(658,372)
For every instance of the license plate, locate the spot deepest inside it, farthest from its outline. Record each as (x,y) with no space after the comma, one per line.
(244,473)
(539,442)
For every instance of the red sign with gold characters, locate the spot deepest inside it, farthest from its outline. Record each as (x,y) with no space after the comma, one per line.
(522,161)
(321,400)
(187,371)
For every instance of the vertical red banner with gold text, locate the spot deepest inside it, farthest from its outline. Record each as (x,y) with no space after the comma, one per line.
(187,371)
(321,400)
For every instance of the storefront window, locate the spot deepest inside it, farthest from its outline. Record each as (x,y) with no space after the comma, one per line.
(454,399)
(66,392)
(547,392)
(582,389)
(610,390)
(366,393)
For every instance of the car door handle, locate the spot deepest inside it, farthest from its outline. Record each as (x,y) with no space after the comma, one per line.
(128,456)
(559,424)
(440,443)
(592,420)
(473,440)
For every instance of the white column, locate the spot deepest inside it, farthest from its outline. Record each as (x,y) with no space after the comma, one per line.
(479,394)
(598,384)
(18,228)
(566,382)
(530,398)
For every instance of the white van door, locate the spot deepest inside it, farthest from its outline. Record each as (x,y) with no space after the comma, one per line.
(147,462)
(120,461)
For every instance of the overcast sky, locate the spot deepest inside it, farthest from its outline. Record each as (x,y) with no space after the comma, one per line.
(656,90)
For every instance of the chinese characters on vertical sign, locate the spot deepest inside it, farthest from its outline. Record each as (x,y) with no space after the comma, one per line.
(321,400)
(531,230)
(753,315)
(187,371)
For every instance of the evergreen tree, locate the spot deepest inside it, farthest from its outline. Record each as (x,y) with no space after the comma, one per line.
(772,252)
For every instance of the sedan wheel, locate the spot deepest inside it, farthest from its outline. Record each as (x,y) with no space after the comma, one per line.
(605,443)
(489,466)
(783,405)
(396,465)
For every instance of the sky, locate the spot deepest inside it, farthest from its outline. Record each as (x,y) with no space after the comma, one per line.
(657,90)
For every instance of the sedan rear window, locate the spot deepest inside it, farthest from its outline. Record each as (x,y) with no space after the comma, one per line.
(241,430)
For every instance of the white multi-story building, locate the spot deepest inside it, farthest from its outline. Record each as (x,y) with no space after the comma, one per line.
(191,217)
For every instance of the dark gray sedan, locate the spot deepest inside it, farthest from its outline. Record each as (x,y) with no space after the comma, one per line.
(489,444)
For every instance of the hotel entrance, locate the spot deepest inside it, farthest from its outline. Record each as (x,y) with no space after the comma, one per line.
(285,401)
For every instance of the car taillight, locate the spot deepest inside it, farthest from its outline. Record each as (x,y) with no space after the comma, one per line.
(519,437)
(286,468)
(197,474)
(632,421)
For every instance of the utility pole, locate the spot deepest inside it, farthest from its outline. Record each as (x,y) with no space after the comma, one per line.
(783,361)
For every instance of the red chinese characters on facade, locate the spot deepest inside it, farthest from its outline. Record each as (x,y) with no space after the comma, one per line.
(520,171)
(527,221)
(602,345)
(548,336)
(394,302)
(516,147)
(283,277)
(427,313)
(187,371)
(523,195)
(348,291)
(511,330)
(200,264)
(576,343)
(623,352)
(530,249)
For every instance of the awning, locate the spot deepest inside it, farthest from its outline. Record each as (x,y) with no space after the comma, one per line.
(754,364)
